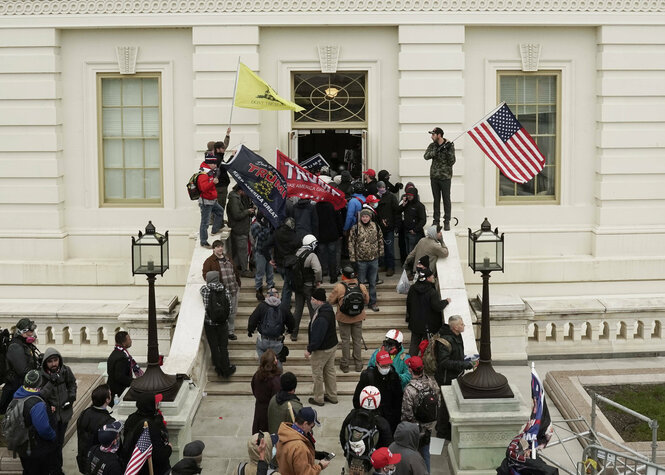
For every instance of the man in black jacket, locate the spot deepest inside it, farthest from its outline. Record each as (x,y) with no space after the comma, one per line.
(321,349)
(103,459)
(271,319)
(389,218)
(223,184)
(90,421)
(284,243)
(424,309)
(414,216)
(386,379)
(369,178)
(22,356)
(384,176)
(120,366)
(239,212)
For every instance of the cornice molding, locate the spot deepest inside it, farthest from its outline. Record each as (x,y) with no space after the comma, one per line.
(22,8)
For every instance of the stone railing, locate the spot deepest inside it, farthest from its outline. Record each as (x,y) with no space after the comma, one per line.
(575,326)
(86,328)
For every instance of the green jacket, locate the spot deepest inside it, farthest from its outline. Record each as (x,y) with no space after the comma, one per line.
(443,159)
(278,410)
(237,210)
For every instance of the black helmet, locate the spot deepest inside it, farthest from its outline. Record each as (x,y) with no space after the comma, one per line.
(348,272)
(358,187)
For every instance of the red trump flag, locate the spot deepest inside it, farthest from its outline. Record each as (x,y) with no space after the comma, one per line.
(304,184)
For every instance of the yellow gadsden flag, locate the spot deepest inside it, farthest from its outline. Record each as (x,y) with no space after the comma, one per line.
(252,92)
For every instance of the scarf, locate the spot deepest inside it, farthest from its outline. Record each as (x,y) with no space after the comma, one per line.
(136,369)
(113,448)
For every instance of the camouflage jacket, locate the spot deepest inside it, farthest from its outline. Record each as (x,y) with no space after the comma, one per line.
(410,399)
(443,159)
(365,242)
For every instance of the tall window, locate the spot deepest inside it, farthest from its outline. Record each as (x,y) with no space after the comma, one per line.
(130,140)
(337,99)
(534,99)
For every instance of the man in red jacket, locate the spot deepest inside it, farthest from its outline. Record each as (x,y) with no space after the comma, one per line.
(207,182)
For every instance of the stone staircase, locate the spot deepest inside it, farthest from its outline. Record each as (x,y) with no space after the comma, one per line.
(243,350)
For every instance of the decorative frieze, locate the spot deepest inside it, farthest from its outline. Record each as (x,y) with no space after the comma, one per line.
(177,7)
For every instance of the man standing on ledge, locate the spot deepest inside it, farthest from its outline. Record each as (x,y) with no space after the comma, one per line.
(442,154)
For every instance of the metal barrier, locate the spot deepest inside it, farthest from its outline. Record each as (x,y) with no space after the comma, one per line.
(597,460)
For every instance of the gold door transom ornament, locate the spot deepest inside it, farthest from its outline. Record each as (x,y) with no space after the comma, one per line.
(331,98)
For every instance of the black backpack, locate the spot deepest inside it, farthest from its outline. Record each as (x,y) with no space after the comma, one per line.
(14,428)
(362,436)
(272,325)
(301,274)
(193,186)
(426,409)
(219,306)
(5,340)
(354,300)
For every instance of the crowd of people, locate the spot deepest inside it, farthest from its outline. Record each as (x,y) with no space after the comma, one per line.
(397,404)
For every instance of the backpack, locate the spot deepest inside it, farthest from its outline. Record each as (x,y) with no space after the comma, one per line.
(219,306)
(353,302)
(271,325)
(5,340)
(242,465)
(362,436)
(14,430)
(426,409)
(429,357)
(302,275)
(193,186)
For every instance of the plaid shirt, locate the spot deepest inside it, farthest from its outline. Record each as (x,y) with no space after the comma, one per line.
(205,293)
(227,276)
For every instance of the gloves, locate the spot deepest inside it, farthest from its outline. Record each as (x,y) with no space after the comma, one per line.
(468,365)
(399,186)
(249,334)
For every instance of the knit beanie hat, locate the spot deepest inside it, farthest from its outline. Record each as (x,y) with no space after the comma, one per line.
(319,294)
(32,379)
(210,158)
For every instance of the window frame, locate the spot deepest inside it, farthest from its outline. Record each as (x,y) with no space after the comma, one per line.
(128,202)
(535,199)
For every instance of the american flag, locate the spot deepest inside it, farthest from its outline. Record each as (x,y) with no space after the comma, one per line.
(538,428)
(142,451)
(510,147)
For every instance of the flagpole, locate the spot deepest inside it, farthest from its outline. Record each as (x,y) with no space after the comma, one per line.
(235,87)
(486,116)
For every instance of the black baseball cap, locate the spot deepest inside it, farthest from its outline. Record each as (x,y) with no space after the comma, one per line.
(436,130)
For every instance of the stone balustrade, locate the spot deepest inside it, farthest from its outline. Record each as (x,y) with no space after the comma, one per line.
(575,326)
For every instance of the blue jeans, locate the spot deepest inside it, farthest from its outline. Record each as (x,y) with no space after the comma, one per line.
(367,272)
(411,241)
(218,219)
(265,344)
(424,451)
(389,249)
(263,267)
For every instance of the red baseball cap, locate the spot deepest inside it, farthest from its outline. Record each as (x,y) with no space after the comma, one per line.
(415,363)
(371,199)
(383,358)
(370,172)
(383,457)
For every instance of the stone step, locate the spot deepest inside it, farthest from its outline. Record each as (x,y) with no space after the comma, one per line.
(376,324)
(385,297)
(384,311)
(304,389)
(373,339)
(303,372)
(389,283)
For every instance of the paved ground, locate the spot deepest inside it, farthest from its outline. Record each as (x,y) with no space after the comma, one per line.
(223,422)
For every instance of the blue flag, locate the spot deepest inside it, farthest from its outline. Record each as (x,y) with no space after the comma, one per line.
(264,185)
(314,163)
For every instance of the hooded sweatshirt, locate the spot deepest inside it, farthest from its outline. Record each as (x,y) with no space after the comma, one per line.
(406,444)
(424,307)
(255,465)
(278,409)
(431,247)
(270,304)
(59,387)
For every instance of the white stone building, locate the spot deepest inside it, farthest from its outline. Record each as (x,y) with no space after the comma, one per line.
(106,108)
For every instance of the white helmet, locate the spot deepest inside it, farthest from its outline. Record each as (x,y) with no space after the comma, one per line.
(370,398)
(309,240)
(396,335)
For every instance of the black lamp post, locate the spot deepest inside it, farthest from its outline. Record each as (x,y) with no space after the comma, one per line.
(485,256)
(150,256)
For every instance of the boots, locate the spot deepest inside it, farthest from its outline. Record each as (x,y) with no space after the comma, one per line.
(259,294)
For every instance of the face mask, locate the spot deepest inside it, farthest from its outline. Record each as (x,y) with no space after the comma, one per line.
(375,205)
(30,339)
(390,472)
(383,371)
(274,452)
(381,191)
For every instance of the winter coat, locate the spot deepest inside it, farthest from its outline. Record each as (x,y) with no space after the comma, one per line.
(449,361)
(389,212)
(59,388)
(278,410)
(159,435)
(346,185)
(410,399)
(89,422)
(205,182)
(406,444)
(414,215)
(365,242)
(427,246)
(295,453)
(261,311)
(443,159)
(285,243)
(256,466)
(385,434)
(384,177)
(370,188)
(307,221)
(336,297)
(21,358)
(212,264)
(263,390)
(119,372)
(322,329)
(424,307)
(399,363)
(40,422)
(108,462)
(330,223)
(352,209)
(391,393)
(311,262)
(238,213)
